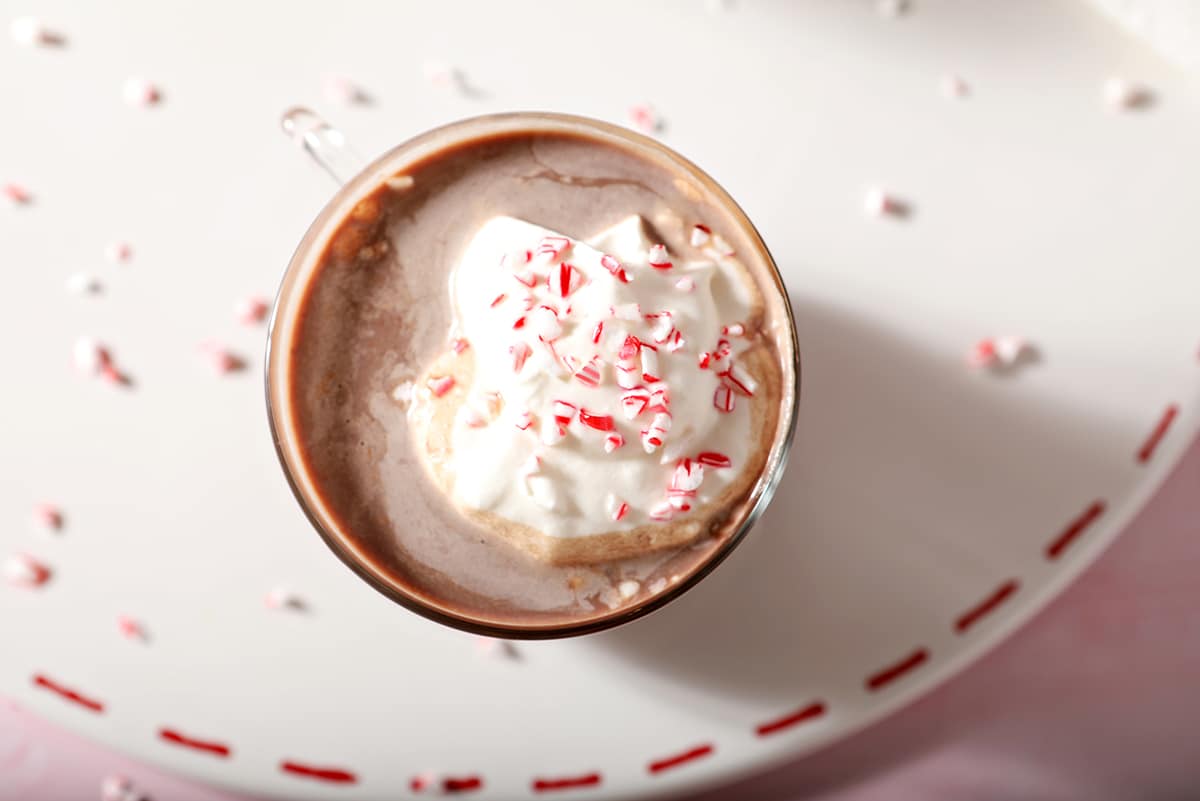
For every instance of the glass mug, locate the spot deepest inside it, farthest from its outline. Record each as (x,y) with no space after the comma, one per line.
(329,149)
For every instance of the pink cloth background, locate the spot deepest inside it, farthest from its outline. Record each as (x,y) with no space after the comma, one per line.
(1095,700)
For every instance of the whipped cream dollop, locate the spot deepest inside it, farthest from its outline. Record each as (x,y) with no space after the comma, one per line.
(605,392)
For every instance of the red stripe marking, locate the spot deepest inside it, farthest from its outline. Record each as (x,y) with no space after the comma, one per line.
(1157,434)
(979,611)
(690,755)
(1072,531)
(810,712)
(464,785)
(889,674)
(65,692)
(210,746)
(548,785)
(335,775)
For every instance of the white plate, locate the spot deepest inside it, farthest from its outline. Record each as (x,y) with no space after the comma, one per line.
(918,489)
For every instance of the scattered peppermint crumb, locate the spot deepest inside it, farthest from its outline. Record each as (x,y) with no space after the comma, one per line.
(1123,95)
(645,118)
(46,517)
(140,93)
(83,284)
(954,87)
(16,194)
(343,91)
(118,252)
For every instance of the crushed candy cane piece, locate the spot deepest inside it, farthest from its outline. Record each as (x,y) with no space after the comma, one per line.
(645,118)
(90,357)
(1002,351)
(551,248)
(564,279)
(16,194)
(634,402)
(714,459)
(131,628)
(543,323)
(658,258)
(458,345)
(220,360)
(31,32)
(283,598)
(251,310)
(740,379)
(22,570)
(440,385)
(442,75)
(612,441)
(954,87)
(590,373)
(47,517)
(1123,95)
(118,252)
(140,92)
(662,511)
(84,284)
(878,202)
(524,420)
(734,330)
(701,234)
(520,354)
(721,247)
(600,422)
(649,358)
(654,436)
(723,398)
(685,284)
(615,267)
(617,508)
(343,91)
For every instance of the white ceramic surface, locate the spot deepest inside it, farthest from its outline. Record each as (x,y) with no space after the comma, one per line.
(917,488)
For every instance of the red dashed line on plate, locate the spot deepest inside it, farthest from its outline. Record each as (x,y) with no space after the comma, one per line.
(691,755)
(1074,529)
(878,681)
(568,783)
(802,715)
(464,784)
(332,775)
(74,697)
(1160,430)
(986,606)
(208,746)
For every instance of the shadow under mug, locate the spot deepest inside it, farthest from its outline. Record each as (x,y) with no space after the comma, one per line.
(328,147)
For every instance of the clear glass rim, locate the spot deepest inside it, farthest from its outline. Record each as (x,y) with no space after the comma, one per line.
(367,179)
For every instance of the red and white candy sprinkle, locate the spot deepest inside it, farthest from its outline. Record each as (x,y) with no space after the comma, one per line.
(612,441)
(600,422)
(520,354)
(440,385)
(649,358)
(645,118)
(701,234)
(543,323)
(22,570)
(118,252)
(740,379)
(590,374)
(15,194)
(1123,95)
(458,345)
(685,284)
(634,402)
(221,360)
(954,87)
(714,459)
(30,32)
(617,508)
(878,202)
(734,330)
(662,511)
(343,91)
(615,268)
(120,788)
(251,310)
(551,248)
(524,421)
(441,75)
(140,92)
(90,357)
(564,279)
(46,517)
(721,247)
(723,398)
(84,284)
(284,599)
(654,436)
(658,258)
(131,628)
(1001,351)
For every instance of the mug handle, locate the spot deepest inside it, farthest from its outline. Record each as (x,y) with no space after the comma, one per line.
(325,144)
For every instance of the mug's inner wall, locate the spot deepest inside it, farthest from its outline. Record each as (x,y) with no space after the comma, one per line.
(350,327)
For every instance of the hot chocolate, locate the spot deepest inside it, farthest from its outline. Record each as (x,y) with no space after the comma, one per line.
(535,376)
